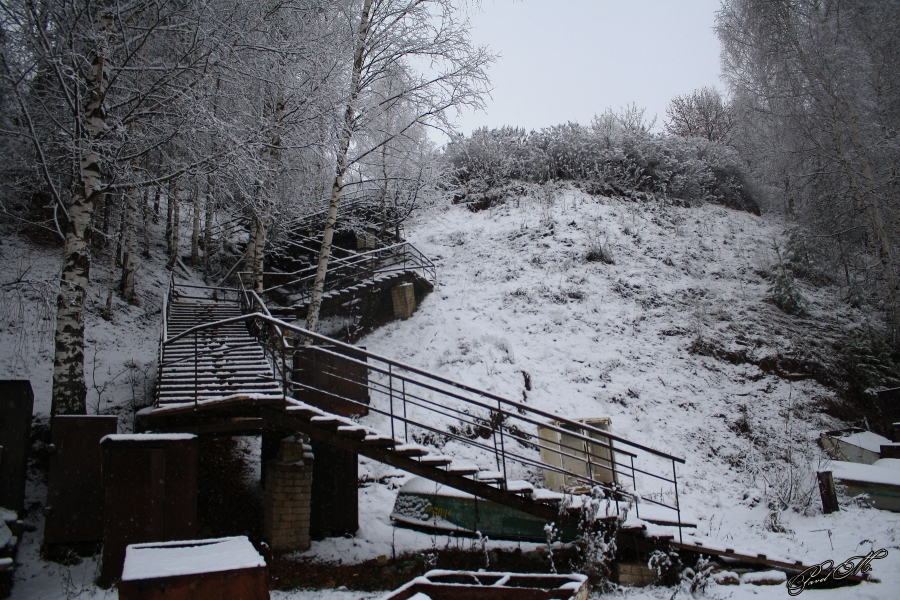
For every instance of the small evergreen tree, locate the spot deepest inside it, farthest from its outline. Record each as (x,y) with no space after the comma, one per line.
(784,290)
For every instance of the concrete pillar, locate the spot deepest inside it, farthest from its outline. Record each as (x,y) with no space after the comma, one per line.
(288,494)
(404,297)
(365,241)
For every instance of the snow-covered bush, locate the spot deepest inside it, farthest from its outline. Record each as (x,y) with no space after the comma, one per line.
(624,160)
(783,289)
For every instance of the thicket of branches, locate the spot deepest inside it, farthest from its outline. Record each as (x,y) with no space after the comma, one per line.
(225,118)
(815,93)
(617,150)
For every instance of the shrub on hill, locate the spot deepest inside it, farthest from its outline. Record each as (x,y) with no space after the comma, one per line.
(623,163)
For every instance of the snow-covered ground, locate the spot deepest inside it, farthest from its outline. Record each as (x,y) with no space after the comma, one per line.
(515,295)
(635,341)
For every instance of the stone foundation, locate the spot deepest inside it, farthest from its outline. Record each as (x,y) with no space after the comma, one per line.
(288,487)
(634,574)
(404,298)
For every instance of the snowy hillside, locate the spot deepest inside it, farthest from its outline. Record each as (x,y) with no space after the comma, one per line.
(652,314)
(518,305)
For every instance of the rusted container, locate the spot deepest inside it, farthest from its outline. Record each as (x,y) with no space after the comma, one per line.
(150,491)
(470,585)
(335,504)
(328,381)
(890,412)
(216,569)
(16,404)
(74,507)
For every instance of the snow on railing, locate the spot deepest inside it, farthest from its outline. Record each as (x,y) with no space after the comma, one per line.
(420,407)
(362,267)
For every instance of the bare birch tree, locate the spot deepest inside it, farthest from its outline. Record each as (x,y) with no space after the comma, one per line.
(84,75)
(821,77)
(392,38)
(701,114)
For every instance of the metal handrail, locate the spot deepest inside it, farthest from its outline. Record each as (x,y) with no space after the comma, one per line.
(364,266)
(164,331)
(505,431)
(333,342)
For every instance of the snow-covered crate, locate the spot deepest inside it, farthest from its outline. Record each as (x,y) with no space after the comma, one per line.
(471,585)
(217,569)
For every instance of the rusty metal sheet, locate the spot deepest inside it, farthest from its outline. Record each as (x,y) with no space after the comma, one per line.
(333,378)
(890,411)
(16,405)
(246,584)
(150,491)
(135,490)
(334,504)
(74,507)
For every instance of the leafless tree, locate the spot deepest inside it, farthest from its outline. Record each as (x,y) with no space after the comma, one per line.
(392,40)
(702,113)
(820,77)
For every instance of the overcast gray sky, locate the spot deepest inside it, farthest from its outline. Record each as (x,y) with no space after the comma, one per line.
(566,60)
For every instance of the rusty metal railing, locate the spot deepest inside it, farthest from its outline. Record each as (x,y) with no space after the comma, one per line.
(420,407)
(358,269)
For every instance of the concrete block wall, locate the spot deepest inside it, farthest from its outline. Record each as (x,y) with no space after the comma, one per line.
(634,574)
(404,298)
(288,489)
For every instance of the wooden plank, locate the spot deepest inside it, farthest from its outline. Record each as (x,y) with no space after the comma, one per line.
(759,559)
(827,492)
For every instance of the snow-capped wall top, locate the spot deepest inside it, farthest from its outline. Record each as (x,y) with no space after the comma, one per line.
(850,471)
(147,437)
(861,439)
(171,559)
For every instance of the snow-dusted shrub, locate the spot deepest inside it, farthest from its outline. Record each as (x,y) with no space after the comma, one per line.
(696,579)
(785,470)
(783,288)
(600,253)
(596,542)
(667,566)
(871,364)
(627,161)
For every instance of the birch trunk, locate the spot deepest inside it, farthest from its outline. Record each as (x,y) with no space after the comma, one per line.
(69,395)
(170,220)
(106,313)
(258,242)
(156,200)
(145,222)
(130,245)
(267,190)
(195,234)
(207,229)
(174,207)
(315,306)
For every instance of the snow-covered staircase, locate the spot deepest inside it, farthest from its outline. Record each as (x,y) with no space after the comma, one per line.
(212,363)
(352,276)
(215,377)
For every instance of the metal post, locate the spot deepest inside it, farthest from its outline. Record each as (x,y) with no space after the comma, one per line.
(196,374)
(502,445)
(283,378)
(391,397)
(677,503)
(588,453)
(637,511)
(405,421)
